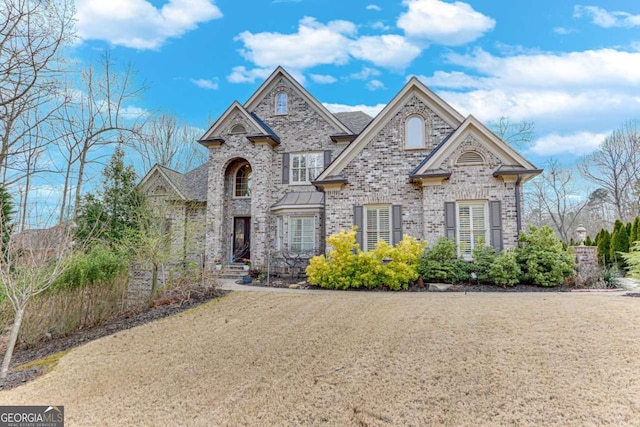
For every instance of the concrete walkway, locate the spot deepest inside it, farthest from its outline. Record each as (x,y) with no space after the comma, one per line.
(629,284)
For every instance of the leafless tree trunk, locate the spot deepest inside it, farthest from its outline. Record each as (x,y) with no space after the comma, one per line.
(168,142)
(559,198)
(615,167)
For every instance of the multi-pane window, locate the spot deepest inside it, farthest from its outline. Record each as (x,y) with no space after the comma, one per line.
(472,228)
(281,103)
(280,234)
(243,181)
(302,235)
(377,226)
(415,132)
(305,167)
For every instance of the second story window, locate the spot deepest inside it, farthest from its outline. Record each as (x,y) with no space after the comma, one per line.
(243,181)
(281,103)
(305,167)
(414,133)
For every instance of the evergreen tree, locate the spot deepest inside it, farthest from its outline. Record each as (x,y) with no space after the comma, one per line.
(112,214)
(619,244)
(588,241)
(6,216)
(572,242)
(604,243)
(635,231)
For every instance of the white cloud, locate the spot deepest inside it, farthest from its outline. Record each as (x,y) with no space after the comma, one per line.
(132,113)
(563,31)
(450,24)
(389,51)
(206,83)
(334,43)
(240,74)
(371,110)
(592,90)
(374,7)
(577,143)
(322,78)
(365,73)
(137,23)
(313,44)
(375,85)
(379,25)
(605,19)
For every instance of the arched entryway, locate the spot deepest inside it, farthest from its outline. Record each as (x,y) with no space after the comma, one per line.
(237,210)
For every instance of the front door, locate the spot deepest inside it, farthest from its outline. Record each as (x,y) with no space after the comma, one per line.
(241,238)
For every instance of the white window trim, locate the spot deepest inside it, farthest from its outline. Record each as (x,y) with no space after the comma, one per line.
(235,182)
(286,104)
(313,234)
(280,233)
(406,133)
(305,154)
(485,205)
(365,225)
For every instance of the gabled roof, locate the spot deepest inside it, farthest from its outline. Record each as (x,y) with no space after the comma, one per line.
(272,80)
(191,186)
(214,130)
(471,125)
(171,176)
(413,87)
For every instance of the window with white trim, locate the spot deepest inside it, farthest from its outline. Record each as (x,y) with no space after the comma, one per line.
(281,103)
(472,227)
(377,226)
(242,185)
(305,167)
(414,132)
(302,231)
(280,234)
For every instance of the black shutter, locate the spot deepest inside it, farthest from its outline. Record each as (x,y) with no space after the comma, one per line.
(495,224)
(450,220)
(285,168)
(327,158)
(396,221)
(358,222)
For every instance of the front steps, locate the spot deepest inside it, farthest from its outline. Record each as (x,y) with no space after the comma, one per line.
(231,271)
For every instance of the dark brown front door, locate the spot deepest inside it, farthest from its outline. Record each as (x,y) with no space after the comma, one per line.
(241,238)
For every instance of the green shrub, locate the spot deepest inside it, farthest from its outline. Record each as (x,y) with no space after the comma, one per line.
(100,264)
(346,266)
(437,263)
(505,270)
(483,258)
(619,244)
(604,244)
(632,259)
(542,258)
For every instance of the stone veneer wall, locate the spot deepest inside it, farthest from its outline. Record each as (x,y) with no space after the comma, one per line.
(301,129)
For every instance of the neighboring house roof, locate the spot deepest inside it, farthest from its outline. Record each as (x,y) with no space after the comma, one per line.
(413,87)
(252,118)
(50,239)
(300,200)
(272,80)
(356,121)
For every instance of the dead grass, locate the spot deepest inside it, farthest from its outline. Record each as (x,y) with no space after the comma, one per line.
(262,358)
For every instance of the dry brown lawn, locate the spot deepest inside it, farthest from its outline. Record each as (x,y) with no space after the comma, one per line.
(262,358)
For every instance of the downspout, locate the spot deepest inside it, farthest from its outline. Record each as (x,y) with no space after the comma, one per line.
(518,207)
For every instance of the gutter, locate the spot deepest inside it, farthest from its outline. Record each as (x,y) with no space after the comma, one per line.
(518,207)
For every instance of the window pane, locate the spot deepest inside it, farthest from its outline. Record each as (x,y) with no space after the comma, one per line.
(472,227)
(415,133)
(302,235)
(243,182)
(281,103)
(378,226)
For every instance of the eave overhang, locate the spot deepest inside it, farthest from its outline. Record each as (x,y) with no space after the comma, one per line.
(211,142)
(268,139)
(344,138)
(431,177)
(331,184)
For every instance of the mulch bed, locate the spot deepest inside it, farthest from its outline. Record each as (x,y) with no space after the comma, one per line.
(166,306)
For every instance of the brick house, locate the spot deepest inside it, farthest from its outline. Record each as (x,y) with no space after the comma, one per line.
(284,173)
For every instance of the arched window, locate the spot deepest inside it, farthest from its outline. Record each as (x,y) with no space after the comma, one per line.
(415,132)
(281,103)
(238,128)
(243,181)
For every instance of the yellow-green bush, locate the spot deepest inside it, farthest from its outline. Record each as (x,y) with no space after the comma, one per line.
(346,266)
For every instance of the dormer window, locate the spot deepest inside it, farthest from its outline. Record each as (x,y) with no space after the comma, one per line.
(281,103)
(414,135)
(238,128)
(470,158)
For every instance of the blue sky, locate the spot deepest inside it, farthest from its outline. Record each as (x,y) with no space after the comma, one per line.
(571,68)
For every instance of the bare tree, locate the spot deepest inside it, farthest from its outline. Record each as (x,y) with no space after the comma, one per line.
(31,263)
(558,199)
(615,167)
(519,134)
(95,117)
(166,141)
